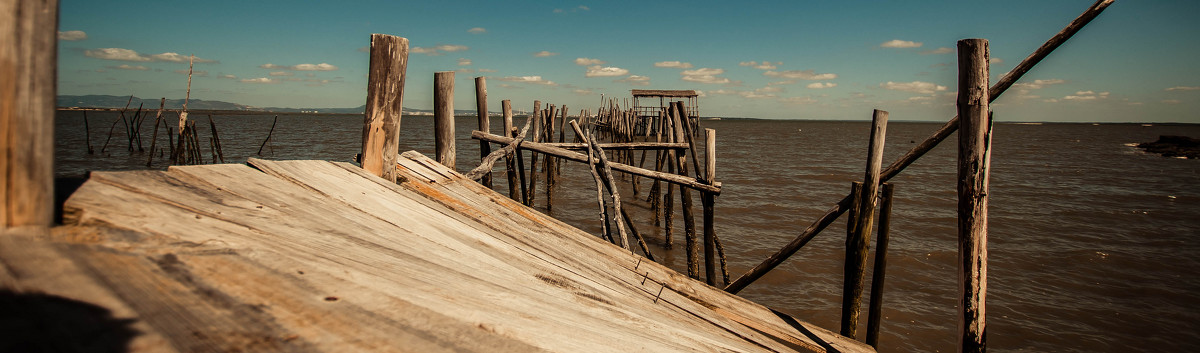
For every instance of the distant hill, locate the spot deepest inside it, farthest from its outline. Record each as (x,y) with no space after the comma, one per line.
(107,101)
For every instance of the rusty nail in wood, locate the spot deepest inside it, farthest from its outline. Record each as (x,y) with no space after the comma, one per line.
(659,293)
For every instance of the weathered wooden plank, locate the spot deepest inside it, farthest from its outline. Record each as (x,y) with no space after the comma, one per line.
(28,57)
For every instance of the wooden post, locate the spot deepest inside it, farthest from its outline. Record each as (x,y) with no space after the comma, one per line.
(385,93)
(857,240)
(875,311)
(510,162)
(708,201)
(685,204)
(28,58)
(919,150)
(485,124)
(974,139)
(443,118)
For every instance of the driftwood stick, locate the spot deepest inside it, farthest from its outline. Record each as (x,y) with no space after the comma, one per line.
(616,196)
(510,159)
(114,125)
(264,143)
(916,152)
(154,137)
(88,133)
(633,230)
(592,166)
(485,167)
(216,140)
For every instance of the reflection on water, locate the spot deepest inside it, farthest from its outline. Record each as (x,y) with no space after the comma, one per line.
(1092,244)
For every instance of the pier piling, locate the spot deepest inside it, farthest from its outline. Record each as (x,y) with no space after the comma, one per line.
(443,118)
(385,93)
(974,140)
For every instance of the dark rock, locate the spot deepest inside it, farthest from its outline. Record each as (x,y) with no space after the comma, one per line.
(1174,146)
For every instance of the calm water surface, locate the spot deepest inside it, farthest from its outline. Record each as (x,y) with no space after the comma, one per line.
(1093,245)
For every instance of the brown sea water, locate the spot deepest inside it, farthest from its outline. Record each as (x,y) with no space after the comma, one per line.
(1093,245)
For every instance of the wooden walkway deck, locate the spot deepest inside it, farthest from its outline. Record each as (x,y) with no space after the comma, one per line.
(320,256)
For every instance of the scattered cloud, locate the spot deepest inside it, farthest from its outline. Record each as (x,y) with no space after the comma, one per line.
(231,77)
(635,80)
(583,92)
(258,80)
(769,89)
(673,64)
(605,71)
(896,43)
(765,65)
(465,71)
(485,70)
(798,100)
(120,54)
(1171,101)
(776,83)
(574,9)
(544,54)
(199,73)
(800,75)
(705,75)
(72,35)
(366,49)
(129,67)
(477,30)
(942,50)
(1086,96)
(915,87)
(995,61)
(1184,88)
(589,62)
(820,85)
(1038,84)
(440,49)
(528,79)
(281,73)
(300,67)
(464,62)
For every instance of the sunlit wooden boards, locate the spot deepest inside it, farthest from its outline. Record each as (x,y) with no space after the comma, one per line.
(321,256)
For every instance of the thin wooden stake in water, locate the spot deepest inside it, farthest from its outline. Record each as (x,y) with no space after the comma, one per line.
(875,313)
(264,143)
(510,160)
(974,139)
(708,201)
(154,136)
(28,53)
(485,124)
(916,152)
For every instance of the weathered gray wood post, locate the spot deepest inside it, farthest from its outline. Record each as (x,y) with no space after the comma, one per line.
(28,59)
(510,162)
(974,140)
(863,218)
(875,311)
(708,200)
(385,93)
(443,118)
(485,124)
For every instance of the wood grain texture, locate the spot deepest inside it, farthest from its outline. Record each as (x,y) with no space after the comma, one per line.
(323,256)
(28,55)
(974,140)
(857,241)
(443,118)
(385,95)
(485,124)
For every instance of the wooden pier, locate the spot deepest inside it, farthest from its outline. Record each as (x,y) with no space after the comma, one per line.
(321,256)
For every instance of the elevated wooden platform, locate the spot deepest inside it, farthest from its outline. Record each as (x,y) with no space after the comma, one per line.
(319,256)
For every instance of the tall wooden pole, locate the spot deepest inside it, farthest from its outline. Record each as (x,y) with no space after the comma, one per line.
(708,202)
(864,216)
(443,118)
(485,123)
(510,162)
(974,139)
(875,311)
(385,93)
(28,58)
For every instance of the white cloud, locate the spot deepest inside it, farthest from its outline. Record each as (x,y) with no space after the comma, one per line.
(704,71)
(227,76)
(485,70)
(477,30)
(177,58)
(820,85)
(1184,88)
(575,9)
(995,61)
(528,79)
(776,83)
(1038,84)
(896,43)
(300,67)
(765,65)
(544,54)
(72,35)
(705,75)
(605,71)
(259,80)
(116,54)
(464,62)
(673,64)
(281,73)
(440,49)
(1086,96)
(589,62)
(635,80)
(769,89)
(583,92)
(942,50)
(798,100)
(800,75)
(129,67)
(465,70)
(915,87)
(1171,101)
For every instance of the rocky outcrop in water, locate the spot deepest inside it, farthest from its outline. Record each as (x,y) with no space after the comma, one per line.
(1174,146)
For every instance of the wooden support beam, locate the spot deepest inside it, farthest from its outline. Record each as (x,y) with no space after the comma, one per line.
(619,146)
(917,151)
(385,93)
(974,140)
(857,239)
(692,183)
(708,202)
(28,59)
(485,124)
(443,118)
(875,312)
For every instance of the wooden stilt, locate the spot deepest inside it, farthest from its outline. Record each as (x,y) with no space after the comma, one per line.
(974,140)
(875,312)
(443,118)
(485,124)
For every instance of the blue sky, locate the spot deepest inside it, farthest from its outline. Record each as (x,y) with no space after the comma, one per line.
(763,59)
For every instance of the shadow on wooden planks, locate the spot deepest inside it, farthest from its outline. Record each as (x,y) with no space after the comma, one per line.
(320,256)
